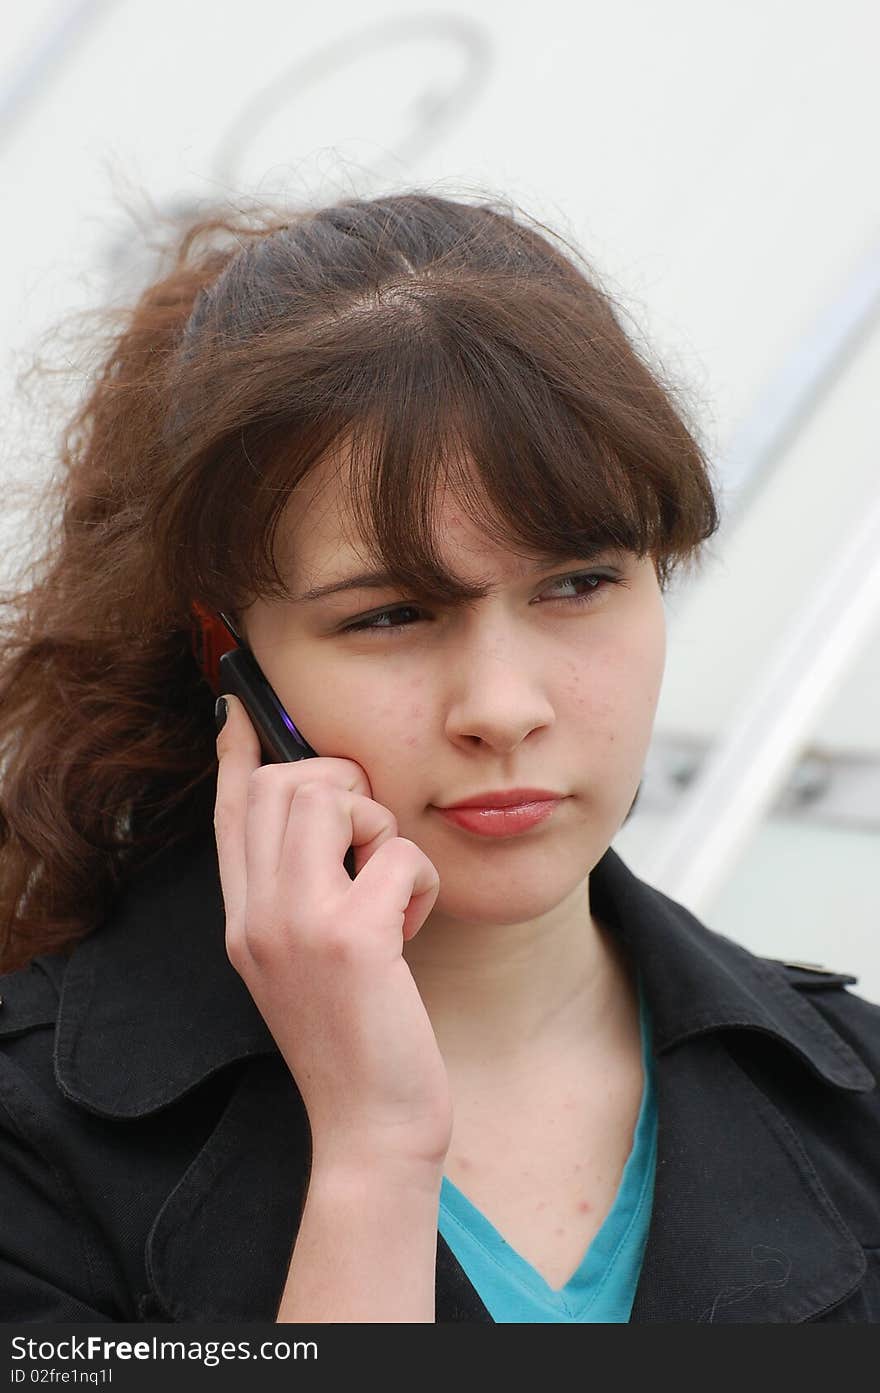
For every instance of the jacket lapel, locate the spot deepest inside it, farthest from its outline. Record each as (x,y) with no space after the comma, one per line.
(220,1247)
(742,1229)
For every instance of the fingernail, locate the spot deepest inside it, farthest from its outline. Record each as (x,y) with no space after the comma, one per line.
(221,711)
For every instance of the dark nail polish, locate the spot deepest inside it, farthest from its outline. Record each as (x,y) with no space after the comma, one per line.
(221,711)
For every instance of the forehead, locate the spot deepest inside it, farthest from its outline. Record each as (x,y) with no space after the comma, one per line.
(317,527)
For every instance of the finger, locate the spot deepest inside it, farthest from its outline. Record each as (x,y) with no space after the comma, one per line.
(323,822)
(238,755)
(271,793)
(404,881)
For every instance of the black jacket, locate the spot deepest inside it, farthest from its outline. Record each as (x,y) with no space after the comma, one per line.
(154,1148)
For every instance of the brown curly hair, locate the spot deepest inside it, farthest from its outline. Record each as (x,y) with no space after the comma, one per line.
(410,325)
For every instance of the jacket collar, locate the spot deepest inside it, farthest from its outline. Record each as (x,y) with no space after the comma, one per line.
(151,1006)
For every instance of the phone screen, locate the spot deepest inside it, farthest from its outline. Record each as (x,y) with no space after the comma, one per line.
(241,674)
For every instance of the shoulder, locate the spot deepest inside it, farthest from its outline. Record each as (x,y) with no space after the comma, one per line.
(831,988)
(33,1108)
(29,1099)
(29,996)
(828,1073)
(54,1264)
(80,1190)
(830,992)
(29,1002)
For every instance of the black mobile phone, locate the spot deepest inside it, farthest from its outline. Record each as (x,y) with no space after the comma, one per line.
(241,674)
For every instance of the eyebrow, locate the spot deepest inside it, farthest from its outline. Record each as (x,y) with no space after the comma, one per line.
(380,579)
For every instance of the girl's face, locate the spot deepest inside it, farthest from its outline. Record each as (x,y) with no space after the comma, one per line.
(550,681)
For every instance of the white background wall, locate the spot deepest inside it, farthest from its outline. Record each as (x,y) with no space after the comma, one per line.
(716,162)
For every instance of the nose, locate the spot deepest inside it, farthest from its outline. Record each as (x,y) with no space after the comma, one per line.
(498,693)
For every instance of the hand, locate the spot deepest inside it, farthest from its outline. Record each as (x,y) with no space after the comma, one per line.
(321,954)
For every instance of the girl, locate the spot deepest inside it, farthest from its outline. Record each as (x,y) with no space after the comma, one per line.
(389,1033)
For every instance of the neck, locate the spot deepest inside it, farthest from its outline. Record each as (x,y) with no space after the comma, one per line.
(502,996)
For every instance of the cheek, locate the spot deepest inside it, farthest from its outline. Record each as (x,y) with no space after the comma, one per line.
(415,711)
(384,731)
(614,691)
(395,744)
(403,712)
(339,714)
(400,714)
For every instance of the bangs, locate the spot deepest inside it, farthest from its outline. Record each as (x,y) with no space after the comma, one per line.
(546,490)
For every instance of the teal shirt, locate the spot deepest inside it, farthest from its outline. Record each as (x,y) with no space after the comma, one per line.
(604,1285)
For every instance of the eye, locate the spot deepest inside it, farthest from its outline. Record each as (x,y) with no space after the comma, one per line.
(596,582)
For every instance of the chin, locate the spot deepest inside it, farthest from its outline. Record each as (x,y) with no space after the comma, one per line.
(505,893)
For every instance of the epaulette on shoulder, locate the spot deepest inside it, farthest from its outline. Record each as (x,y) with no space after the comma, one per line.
(813,976)
(28,998)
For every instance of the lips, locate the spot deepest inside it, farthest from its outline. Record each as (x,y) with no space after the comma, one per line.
(505,821)
(506,798)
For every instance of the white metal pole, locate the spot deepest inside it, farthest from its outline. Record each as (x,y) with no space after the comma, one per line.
(742,778)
